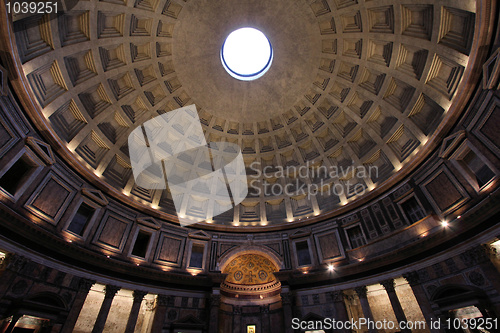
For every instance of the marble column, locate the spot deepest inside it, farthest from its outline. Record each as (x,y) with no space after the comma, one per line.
(422,300)
(161,311)
(12,323)
(265,322)
(340,310)
(237,319)
(83,290)
(286,301)
(214,304)
(134,312)
(389,286)
(363,300)
(110,293)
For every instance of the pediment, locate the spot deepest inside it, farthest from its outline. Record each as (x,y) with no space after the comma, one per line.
(95,195)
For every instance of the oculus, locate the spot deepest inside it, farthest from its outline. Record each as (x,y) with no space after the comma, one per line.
(246,54)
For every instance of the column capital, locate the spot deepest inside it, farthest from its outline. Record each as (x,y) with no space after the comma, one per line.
(85,285)
(286,298)
(162,300)
(110,291)
(139,295)
(389,285)
(336,295)
(361,291)
(413,278)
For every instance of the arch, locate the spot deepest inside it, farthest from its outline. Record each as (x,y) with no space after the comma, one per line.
(48,299)
(226,258)
(456,290)
(455,296)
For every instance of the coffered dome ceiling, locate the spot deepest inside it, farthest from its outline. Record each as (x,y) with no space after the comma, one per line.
(353,84)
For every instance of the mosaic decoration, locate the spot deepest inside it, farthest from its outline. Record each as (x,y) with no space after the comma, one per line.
(250,269)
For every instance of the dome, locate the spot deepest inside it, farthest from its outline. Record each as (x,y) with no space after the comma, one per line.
(148,183)
(354,98)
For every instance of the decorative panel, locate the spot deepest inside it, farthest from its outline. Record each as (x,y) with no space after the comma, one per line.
(380,163)
(403,143)
(399,94)
(457,29)
(320,7)
(43,150)
(113,231)
(411,60)
(110,25)
(112,56)
(33,36)
(171,9)
(381,123)
(379,216)
(275,209)
(381,19)
(81,66)
(444,192)
(445,75)
(74,27)
(95,100)
(368,222)
(170,249)
(486,124)
(426,113)
(118,171)
(417,20)
(491,71)
(121,85)
(92,149)
(351,23)
(8,137)
(389,206)
(47,83)
(51,198)
(329,246)
(372,80)
(380,52)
